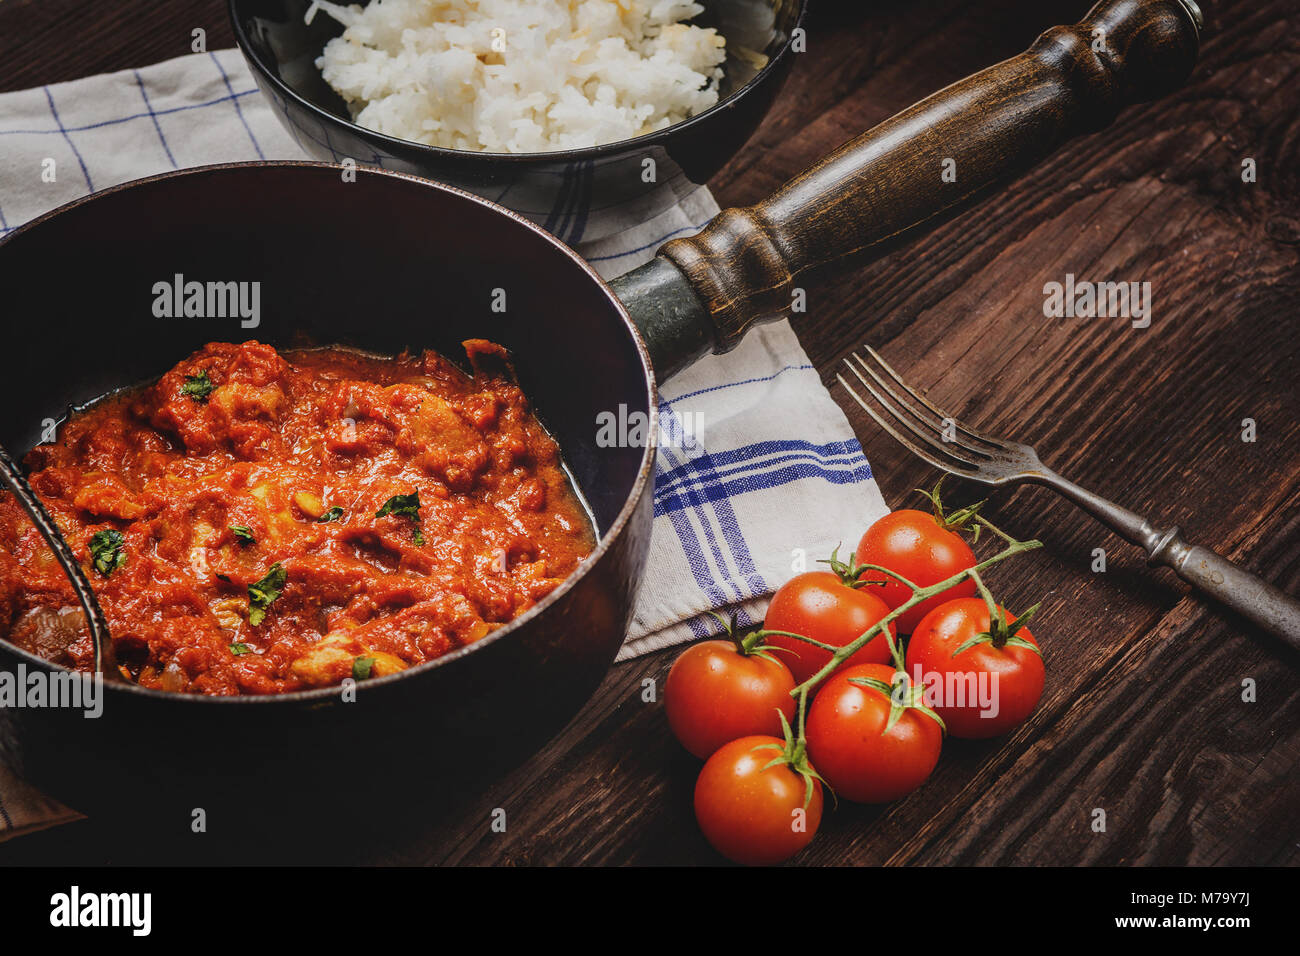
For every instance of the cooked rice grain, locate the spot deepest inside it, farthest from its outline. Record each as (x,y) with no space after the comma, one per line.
(521,76)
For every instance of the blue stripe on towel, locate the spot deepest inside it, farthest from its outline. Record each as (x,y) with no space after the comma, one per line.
(757,467)
(762,455)
(125,119)
(743,381)
(154,116)
(695,552)
(238,109)
(49,97)
(737,561)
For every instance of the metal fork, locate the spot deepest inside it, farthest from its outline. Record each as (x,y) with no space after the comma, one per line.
(937,437)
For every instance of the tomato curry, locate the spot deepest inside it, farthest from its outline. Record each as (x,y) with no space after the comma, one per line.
(257,522)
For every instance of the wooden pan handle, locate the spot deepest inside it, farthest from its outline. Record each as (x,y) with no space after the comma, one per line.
(888,185)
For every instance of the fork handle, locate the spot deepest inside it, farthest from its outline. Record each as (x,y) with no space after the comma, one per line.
(919,168)
(1249,595)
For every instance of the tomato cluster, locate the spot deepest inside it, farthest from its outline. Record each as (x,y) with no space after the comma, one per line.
(870,728)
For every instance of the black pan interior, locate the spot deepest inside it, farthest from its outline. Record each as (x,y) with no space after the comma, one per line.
(756,30)
(382,263)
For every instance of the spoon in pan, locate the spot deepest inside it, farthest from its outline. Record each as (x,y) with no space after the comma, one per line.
(100,640)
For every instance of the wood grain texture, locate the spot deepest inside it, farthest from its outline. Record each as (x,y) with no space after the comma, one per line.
(1142,715)
(894,182)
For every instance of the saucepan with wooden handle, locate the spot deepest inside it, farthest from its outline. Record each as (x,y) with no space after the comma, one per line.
(386,262)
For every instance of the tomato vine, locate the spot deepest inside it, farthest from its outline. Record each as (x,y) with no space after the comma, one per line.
(1000,631)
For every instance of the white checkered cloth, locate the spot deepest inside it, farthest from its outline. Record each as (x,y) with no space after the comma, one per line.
(769,478)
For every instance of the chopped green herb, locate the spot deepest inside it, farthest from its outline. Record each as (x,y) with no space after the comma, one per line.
(419,538)
(238,649)
(334,514)
(243,533)
(405,506)
(264,593)
(107,551)
(361,667)
(198,387)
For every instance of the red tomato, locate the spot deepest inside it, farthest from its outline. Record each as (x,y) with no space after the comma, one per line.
(750,815)
(820,605)
(715,694)
(915,545)
(849,747)
(1005,681)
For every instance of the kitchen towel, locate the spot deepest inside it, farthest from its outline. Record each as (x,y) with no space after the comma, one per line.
(759,476)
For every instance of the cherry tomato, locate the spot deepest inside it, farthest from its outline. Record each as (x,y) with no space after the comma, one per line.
(985,690)
(714,694)
(818,604)
(850,748)
(752,815)
(916,546)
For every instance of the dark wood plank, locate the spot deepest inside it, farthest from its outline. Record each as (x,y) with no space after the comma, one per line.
(1143,715)
(49,41)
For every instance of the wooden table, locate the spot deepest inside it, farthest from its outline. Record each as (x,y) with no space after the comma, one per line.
(1143,713)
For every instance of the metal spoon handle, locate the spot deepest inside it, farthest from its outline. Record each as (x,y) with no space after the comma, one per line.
(12,476)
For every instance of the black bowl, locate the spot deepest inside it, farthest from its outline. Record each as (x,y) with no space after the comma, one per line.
(576,194)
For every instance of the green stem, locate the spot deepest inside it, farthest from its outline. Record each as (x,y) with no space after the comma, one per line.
(895,651)
(840,654)
(893,574)
(995,529)
(995,616)
(799,637)
(986,595)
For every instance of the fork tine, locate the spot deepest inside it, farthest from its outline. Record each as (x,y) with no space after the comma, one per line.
(926,433)
(964,437)
(953,466)
(936,423)
(991,442)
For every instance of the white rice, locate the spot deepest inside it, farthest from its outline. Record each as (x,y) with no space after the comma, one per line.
(521,76)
